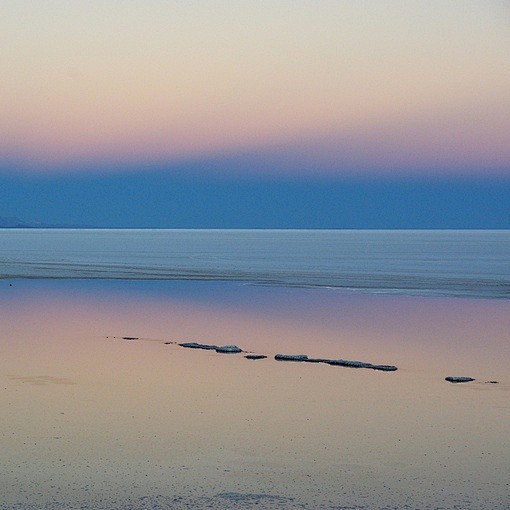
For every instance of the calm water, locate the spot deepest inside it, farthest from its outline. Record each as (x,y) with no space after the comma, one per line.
(93,421)
(446,263)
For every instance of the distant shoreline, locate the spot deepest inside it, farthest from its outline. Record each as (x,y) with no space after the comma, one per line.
(470,264)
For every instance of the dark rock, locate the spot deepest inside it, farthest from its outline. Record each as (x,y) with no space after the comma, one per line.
(129,338)
(360,364)
(228,349)
(458,379)
(384,368)
(349,363)
(195,345)
(291,357)
(255,356)
(168,343)
(224,349)
(491,382)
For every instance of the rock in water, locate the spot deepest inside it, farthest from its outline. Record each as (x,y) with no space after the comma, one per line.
(384,368)
(195,345)
(255,356)
(291,357)
(361,364)
(349,363)
(228,349)
(458,379)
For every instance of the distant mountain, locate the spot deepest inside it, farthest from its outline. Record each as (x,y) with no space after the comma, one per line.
(13,222)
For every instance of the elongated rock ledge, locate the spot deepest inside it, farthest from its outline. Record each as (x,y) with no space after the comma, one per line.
(360,364)
(291,357)
(458,379)
(222,349)
(195,345)
(334,362)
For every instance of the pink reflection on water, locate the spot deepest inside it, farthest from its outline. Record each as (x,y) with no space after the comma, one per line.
(108,412)
(431,334)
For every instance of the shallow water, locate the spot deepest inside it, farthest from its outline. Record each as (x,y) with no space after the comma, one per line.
(93,421)
(415,262)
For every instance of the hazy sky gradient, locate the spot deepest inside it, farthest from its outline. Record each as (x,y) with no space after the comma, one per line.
(310,86)
(288,113)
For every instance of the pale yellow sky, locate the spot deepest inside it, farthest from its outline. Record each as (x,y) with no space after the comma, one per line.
(169,80)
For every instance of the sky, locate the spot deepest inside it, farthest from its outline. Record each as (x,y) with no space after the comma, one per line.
(325,102)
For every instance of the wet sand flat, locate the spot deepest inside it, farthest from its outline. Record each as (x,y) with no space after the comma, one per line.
(90,420)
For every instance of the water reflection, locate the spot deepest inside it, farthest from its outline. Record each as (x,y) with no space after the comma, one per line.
(148,419)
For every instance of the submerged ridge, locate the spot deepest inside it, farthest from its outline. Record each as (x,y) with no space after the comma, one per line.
(367,282)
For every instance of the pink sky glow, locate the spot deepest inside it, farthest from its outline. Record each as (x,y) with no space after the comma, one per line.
(340,87)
